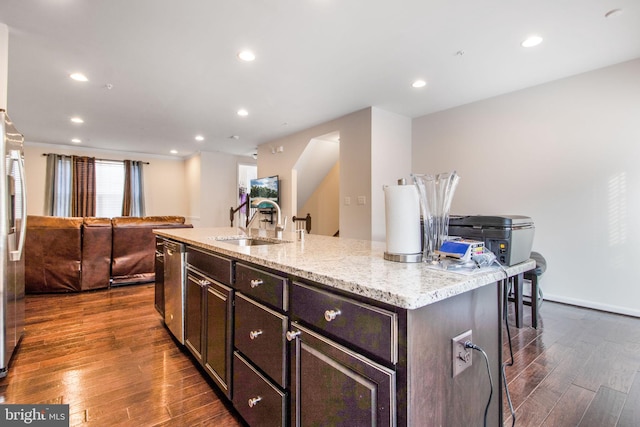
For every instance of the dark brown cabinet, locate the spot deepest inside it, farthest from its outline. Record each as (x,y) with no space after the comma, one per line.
(260,336)
(195,289)
(333,385)
(287,351)
(258,401)
(219,343)
(261,362)
(209,315)
(159,279)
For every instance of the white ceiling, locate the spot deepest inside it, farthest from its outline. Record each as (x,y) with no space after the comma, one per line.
(174,71)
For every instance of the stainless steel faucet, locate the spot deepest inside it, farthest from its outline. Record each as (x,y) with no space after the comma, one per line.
(279,225)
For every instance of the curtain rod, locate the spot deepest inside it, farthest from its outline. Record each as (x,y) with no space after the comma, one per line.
(104,160)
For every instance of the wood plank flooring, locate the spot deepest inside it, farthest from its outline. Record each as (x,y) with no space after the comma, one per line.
(107,354)
(579,368)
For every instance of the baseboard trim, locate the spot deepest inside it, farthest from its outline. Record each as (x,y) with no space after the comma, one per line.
(590,304)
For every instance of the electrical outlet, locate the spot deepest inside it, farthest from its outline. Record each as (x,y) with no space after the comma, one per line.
(461,357)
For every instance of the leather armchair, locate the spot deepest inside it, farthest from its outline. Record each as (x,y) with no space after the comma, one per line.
(134,245)
(53,254)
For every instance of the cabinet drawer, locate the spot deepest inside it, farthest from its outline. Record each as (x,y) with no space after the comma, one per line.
(370,328)
(214,266)
(260,336)
(262,286)
(258,401)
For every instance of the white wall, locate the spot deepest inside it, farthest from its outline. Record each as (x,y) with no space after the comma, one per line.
(390,160)
(192,167)
(4,65)
(164,178)
(564,153)
(212,187)
(219,187)
(355,168)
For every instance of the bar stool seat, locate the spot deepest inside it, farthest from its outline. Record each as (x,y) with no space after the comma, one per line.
(533,276)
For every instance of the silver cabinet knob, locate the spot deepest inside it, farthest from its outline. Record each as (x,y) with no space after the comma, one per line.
(329,315)
(254,334)
(291,335)
(254,401)
(256,282)
(204,282)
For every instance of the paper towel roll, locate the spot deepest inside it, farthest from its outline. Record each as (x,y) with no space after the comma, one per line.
(402,219)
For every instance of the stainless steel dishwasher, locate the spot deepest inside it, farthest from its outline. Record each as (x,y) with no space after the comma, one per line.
(174,269)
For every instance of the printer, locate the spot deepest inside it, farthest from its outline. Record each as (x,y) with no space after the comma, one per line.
(509,237)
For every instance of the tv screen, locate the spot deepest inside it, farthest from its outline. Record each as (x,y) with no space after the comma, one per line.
(266,188)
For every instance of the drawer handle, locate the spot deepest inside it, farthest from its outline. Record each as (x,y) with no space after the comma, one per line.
(292,335)
(204,282)
(254,334)
(254,401)
(330,315)
(256,282)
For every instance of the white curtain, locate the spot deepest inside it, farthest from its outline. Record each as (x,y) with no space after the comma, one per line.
(58,185)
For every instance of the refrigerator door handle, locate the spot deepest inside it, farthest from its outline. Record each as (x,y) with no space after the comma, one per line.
(16,255)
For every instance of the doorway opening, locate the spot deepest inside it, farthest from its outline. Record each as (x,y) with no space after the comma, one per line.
(317,174)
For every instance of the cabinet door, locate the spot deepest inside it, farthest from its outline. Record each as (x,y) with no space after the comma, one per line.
(219,344)
(332,385)
(193,314)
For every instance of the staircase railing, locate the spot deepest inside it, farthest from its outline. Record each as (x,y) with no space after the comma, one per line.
(232,213)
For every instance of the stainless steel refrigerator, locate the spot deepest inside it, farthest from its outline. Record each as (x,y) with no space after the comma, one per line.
(12,229)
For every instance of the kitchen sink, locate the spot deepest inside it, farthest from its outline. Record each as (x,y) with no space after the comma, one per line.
(252,242)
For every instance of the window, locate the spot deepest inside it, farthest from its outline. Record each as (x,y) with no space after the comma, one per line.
(109,188)
(110,178)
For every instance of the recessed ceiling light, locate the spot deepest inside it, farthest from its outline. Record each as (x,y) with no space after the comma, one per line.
(199,138)
(77,120)
(76,140)
(247,55)
(79,77)
(532,41)
(419,83)
(242,112)
(174,151)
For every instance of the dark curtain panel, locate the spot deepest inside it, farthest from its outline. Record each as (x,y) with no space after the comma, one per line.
(58,185)
(84,186)
(133,202)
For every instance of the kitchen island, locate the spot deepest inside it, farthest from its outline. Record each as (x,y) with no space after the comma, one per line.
(324,331)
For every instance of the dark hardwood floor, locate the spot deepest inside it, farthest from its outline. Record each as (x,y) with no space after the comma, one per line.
(107,355)
(579,368)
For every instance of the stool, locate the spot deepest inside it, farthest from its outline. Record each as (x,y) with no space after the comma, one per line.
(518,282)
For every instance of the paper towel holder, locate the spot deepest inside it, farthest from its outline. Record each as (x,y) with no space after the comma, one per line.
(403,257)
(415,257)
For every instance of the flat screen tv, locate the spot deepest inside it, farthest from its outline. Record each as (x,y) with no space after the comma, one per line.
(267,188)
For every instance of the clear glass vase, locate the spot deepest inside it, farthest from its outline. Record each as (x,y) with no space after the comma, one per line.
(436,193)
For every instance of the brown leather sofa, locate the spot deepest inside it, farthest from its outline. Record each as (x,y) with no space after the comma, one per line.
(78,254)
(134,247)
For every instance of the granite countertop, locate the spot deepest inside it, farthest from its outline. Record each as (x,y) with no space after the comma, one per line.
(351,265)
